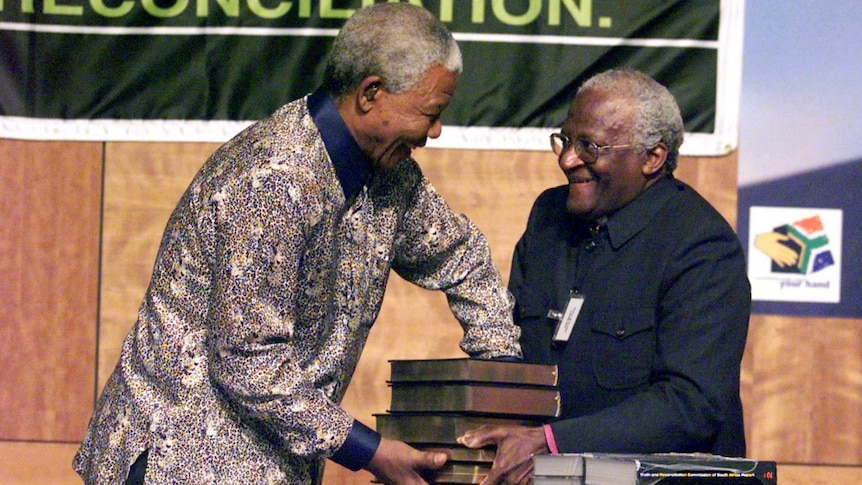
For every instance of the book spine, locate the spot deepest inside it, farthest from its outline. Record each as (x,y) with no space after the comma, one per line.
(476,399)
(473,370)
(442,429)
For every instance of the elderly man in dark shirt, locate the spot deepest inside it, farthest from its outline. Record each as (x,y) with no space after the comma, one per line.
(633,285)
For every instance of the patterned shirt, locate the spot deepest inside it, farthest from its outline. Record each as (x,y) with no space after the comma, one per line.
(270,274)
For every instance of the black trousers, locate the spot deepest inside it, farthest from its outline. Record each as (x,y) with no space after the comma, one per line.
(138,470)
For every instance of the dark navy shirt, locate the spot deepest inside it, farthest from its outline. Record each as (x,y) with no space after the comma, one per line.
(352,167)
(653,362)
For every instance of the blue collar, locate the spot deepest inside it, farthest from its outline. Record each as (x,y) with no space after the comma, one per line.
(352,167)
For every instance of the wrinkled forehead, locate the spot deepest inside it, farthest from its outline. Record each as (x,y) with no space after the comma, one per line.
(437,86)
(595,109)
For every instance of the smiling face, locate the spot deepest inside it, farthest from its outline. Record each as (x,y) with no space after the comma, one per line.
(396,123)
(619,175)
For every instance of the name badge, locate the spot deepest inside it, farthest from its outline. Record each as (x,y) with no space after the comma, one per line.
(566,320)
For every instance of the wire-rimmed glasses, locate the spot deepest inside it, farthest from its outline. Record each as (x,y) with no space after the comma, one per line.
(586,150)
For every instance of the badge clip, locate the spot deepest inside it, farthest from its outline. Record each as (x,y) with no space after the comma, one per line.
(566,320)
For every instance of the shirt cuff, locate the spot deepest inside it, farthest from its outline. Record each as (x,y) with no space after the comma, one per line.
(549,438)
(507,358)
(358,448)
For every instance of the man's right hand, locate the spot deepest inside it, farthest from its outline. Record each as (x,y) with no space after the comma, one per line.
(397,463)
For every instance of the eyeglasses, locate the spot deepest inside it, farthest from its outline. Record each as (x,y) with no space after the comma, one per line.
(586,150)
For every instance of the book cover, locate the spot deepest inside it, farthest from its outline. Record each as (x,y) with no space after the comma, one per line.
(657,469)
(473,370)
(610,470)
(436,428)
(475,399)
(703,468)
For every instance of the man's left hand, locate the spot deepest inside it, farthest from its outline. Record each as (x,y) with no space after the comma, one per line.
(516,445)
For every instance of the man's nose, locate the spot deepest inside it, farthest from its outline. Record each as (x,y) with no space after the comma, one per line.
(436,129)
(569,159)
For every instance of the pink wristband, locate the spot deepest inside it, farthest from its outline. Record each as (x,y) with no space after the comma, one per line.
(549,438)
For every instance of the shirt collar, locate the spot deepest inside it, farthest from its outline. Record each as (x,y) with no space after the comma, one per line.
(352,167)
(637,214)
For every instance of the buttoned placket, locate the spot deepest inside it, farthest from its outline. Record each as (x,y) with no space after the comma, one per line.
(357,251)
(580,258)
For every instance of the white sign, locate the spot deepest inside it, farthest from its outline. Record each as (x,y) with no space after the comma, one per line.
(794,254)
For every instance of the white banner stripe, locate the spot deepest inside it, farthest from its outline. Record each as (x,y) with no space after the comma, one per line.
(161,31)
(200,131)
(310,32)
(578,40)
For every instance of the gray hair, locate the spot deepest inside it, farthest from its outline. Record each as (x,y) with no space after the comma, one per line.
(396,41)
(658,118)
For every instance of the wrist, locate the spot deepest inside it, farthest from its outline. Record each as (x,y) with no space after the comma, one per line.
(550,442)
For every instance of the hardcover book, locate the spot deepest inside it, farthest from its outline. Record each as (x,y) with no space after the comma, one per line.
(435,401)
(652,469)
(461,454)
(558,481)
(454,473)
(459,473)
(441,429)
(476,399)
(473,370)
(562,466)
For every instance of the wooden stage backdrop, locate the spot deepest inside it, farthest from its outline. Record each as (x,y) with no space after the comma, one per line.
(80,223)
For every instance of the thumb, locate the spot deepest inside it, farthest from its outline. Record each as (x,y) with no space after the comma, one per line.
(432,460)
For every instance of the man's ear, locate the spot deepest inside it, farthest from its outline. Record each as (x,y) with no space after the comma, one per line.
(656,156)
(367,92)
(371,91)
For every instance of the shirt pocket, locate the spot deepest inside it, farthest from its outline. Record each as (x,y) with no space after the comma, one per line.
(623,347)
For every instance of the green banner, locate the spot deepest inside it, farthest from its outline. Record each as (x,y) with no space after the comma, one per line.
(200,70)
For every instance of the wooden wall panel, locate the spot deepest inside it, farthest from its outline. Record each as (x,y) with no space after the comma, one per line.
(715,179)
(806,376)
(819,475)
(49,241)
(34,463)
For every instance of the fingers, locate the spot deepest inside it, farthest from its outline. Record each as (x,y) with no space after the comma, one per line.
(396,462)
(482,436)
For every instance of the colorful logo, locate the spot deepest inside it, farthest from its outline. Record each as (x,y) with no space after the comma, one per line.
(801,247)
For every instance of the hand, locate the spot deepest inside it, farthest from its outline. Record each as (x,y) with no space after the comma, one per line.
(397,463)
(516,445)
(770,244)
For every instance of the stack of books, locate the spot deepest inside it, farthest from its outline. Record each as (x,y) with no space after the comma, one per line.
(434,401)
(651,469)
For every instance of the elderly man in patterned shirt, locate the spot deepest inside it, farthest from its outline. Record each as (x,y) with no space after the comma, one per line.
(272,270)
